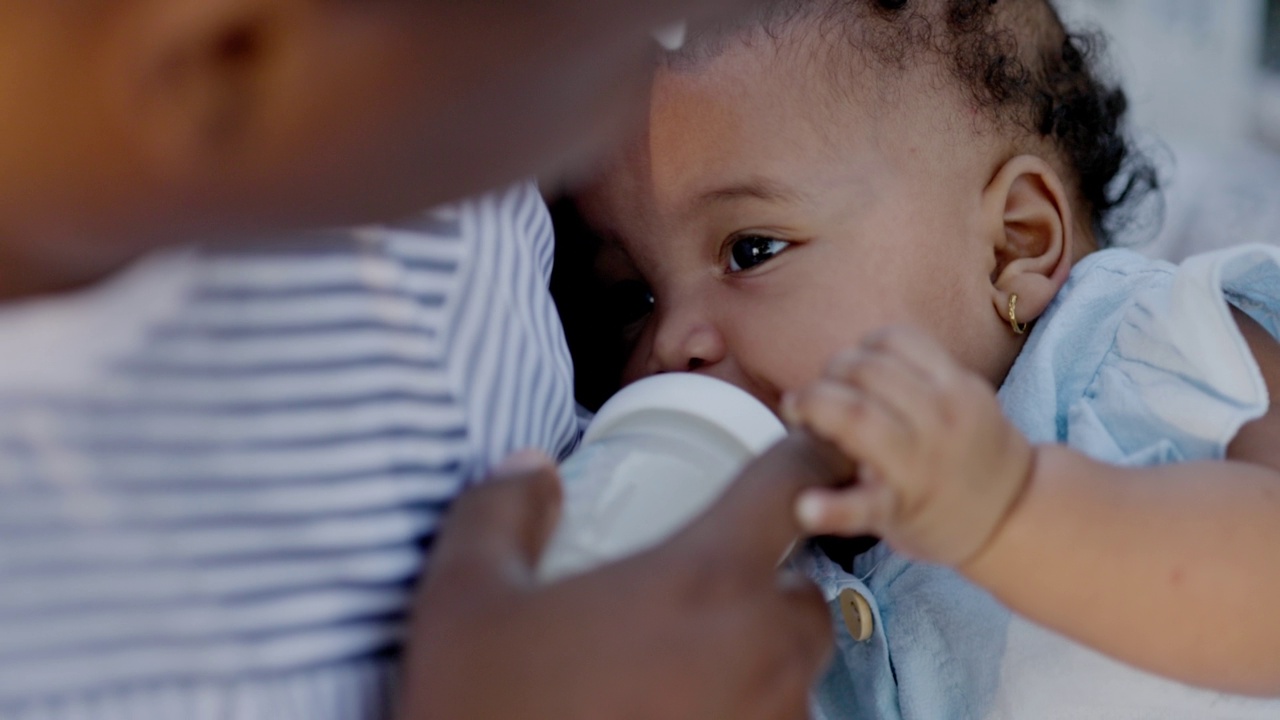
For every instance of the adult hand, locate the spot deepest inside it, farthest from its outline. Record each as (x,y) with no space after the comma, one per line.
(701,627)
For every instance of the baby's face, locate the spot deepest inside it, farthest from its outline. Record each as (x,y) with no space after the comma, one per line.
(775,225)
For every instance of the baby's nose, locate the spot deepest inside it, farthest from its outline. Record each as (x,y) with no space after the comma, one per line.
(693,347)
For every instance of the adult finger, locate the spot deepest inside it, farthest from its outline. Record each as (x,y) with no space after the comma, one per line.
(495,532)
(753,522)
(798,633)
(810,623)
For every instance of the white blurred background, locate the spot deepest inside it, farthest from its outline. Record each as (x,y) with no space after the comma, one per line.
(1203,76)
(1195,69)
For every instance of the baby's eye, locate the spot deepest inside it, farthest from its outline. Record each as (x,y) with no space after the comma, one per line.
(628,302)
(752,250)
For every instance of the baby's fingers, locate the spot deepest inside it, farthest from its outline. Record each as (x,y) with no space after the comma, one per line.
(857,423)
(918,351)
(860,510)
(891,384)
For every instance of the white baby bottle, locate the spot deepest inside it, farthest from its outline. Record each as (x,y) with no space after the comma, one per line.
(656,455)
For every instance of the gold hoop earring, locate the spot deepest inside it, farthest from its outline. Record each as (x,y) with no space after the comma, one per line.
(1018,328)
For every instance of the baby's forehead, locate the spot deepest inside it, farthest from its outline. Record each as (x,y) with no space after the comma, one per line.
(838,67)
(813,84)
(988,56)
(800,43)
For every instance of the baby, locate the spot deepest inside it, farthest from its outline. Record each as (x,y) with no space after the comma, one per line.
(885,219)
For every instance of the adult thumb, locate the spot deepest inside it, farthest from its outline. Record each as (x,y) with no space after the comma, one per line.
(495,532)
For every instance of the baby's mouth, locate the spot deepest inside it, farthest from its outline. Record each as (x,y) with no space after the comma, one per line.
(766,393)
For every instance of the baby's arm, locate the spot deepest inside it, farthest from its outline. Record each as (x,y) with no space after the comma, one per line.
(1174,568)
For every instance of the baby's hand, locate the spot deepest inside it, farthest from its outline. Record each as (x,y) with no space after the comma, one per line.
(939,465)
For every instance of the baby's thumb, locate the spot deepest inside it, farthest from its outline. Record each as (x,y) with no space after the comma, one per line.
(496,531)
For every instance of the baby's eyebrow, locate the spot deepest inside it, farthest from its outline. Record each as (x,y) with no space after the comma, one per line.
(754,189)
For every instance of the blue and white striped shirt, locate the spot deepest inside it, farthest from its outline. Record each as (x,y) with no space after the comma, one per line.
(219,472)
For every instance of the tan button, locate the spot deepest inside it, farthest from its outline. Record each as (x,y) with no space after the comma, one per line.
(857,614)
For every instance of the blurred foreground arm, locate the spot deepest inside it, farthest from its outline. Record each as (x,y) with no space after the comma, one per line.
(701,627)
(134,124)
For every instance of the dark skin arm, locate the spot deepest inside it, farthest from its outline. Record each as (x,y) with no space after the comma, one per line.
(143,123)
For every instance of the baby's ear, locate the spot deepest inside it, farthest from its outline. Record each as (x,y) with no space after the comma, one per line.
(1031,229)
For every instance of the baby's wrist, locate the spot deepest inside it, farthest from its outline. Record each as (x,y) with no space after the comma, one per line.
(1024,474)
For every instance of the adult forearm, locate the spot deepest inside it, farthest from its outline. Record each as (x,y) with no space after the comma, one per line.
(1173,569)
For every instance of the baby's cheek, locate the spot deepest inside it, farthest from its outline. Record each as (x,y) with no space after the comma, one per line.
(797,365)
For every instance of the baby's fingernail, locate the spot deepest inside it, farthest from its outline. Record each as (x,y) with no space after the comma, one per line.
(523,461)
(810,510)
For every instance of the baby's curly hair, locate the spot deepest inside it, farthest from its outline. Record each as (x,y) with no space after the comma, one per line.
(1015,60)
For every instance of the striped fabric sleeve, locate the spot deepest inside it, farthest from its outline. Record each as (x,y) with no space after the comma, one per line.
(226,515)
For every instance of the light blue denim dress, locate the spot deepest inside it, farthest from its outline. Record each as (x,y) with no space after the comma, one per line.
(1135,363)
